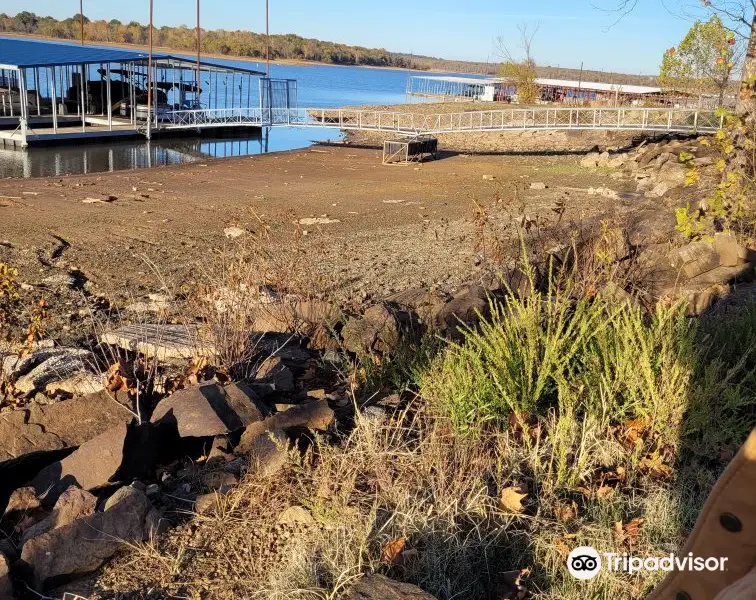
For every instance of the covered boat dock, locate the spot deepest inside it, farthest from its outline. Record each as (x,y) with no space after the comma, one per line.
(58,92)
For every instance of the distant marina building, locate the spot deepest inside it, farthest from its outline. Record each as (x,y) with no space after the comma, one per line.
(451,88)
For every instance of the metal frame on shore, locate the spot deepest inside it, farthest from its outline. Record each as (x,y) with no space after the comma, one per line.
(53,92)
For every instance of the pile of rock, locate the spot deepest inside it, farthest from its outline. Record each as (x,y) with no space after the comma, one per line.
(657,167)
(82,476)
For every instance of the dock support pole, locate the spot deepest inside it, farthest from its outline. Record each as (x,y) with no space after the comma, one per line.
(83,101)
(110,105)
(36,89)
(23,101)
(54,99)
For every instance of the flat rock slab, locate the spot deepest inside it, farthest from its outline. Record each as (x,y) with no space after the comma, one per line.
(64,424)
(58,368)
(164,342)
(123,453)
(378,587)
(210,409)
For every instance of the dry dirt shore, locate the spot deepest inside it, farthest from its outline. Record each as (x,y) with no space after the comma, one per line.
(393,227)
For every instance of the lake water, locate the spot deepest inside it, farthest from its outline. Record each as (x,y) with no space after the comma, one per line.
(318,86)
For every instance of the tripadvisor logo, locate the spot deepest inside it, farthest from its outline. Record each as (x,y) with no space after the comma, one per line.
(585,563)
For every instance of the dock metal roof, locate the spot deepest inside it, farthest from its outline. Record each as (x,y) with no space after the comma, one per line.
(563,83)
(593,86)
(21,53)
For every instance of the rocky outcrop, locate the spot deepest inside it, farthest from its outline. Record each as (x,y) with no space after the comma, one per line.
(82,545)
(123,453)
(210,409)
(64,424)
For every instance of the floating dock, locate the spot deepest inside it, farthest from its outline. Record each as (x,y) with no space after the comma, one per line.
(57,93)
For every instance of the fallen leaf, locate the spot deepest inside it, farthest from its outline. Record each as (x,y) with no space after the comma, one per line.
(628,532)
(566,511)
(604,492)
(511,499)
(634,429)
(391,554)
(655,467)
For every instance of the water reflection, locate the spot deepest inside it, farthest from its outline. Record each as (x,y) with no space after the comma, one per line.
(118,156)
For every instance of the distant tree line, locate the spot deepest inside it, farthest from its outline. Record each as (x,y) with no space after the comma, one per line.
(252,45)
(231,43)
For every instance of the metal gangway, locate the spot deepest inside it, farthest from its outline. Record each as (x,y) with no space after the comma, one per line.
(673,120)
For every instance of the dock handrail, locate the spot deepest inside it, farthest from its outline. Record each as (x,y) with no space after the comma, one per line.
(522,119)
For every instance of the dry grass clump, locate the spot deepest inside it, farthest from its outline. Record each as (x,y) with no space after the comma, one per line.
(255,286)
(411,484)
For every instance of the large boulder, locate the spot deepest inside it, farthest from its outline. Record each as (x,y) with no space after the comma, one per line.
(123,453)
(85,544)
(210,409)
(464,310)
(64,424)
(378,331)
(694,259)
(73,504)
(379,587)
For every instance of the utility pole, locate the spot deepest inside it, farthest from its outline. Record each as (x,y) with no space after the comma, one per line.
(199,46)
(81,20)
(580,82)
(149,82)
(267,37)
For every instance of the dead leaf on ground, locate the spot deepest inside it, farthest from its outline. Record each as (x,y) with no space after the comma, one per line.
(511,499)
(655,467)
(628,532)
(392,552)
(604,492)
(634,430)
(566,511)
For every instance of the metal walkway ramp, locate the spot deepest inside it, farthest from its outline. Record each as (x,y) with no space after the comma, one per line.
(408,123)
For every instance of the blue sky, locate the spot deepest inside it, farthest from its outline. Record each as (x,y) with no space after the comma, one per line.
(570,31)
